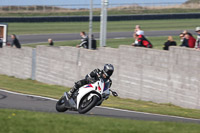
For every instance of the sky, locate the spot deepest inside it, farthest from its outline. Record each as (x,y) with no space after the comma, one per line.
(84,3)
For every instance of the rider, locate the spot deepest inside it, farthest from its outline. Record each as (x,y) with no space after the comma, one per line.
(93,77)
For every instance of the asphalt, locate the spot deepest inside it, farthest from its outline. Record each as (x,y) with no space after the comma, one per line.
(38,38)
(12,100)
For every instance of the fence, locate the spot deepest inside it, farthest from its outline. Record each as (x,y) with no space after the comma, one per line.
(81,19)
(140,73)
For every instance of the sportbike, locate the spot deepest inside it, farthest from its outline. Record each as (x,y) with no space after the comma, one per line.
(85,98)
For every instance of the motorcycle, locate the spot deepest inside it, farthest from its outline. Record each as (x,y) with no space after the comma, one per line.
(85,98)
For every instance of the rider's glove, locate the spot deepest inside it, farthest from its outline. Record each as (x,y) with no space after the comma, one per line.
(91,80)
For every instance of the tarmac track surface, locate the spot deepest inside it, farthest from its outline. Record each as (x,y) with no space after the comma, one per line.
(39,38)
(13,100)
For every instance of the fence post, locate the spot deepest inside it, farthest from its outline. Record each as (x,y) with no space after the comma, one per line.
(33,64)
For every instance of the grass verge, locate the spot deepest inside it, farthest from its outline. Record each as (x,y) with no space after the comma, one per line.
(18,121)
(38,88)
(112,26)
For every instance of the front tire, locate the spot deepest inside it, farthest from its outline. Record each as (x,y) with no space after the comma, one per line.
(60,105)
(87,104)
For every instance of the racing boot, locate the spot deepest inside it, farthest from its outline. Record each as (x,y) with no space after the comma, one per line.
(71,92)
(76,86)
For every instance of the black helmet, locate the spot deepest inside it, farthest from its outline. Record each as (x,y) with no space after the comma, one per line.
(108,70)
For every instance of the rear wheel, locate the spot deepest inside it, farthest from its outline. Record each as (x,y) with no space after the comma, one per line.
(60,105)
(87,104)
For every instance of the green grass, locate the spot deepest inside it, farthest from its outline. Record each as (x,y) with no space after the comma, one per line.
(29,86)
(17,121)
(115,43)
(54,91)
(113,26)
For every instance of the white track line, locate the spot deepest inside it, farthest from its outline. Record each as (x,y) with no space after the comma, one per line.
(151,114)
(16,93)
(102,107)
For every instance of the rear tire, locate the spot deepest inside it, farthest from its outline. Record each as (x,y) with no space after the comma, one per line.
(60,105)
(86,105)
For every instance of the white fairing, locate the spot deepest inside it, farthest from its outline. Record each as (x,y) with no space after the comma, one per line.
(97,87)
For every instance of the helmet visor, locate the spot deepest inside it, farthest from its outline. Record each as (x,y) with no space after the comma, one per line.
(108,73)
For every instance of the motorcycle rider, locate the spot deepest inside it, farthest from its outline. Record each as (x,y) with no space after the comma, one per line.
(93,77)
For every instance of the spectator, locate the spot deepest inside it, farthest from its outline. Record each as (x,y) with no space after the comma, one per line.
(15,41)
(197,45)
(143,42)
(84,40)
(136,34)
(50,42)
(138,30)
(189,40)
(184,41)
(170,42)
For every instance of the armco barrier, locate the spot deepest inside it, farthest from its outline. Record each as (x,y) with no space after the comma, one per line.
(140,73)
(97,18)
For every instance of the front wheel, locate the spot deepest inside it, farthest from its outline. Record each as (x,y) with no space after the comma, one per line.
(87,104)
(60,105)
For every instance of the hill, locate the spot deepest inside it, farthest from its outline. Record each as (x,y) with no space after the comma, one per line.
(190,6)
(192,1)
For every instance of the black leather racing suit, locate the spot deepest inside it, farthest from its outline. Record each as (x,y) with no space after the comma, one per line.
(90,78)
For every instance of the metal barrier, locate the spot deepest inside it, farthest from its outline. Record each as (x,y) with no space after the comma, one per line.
(97,18)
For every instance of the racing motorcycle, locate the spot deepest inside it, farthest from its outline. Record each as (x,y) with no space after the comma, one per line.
(85,98)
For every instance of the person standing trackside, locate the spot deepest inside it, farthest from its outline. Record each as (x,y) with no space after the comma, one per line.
(138,36)
(142,42)
(138,30)
(15,41)
(50,42)
(84,40)
(188,40)
(170,42)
